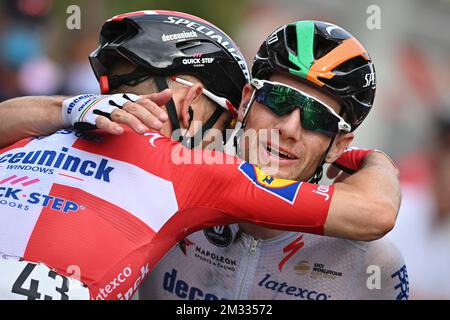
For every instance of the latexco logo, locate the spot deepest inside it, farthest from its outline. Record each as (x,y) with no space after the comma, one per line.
(121,278)
(46,161)
(114,283)
(282,287)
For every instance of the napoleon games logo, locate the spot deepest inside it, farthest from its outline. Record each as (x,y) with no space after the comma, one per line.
(14,194)
(207,256)
(284,189)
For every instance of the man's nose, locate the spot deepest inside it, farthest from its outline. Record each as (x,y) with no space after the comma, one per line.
(289,125)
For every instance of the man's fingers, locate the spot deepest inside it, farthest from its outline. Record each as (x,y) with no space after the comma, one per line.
(106,124)
(128,119)
(160,98)
(153,108)
(146,112)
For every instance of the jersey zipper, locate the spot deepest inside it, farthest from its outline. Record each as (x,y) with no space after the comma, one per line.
(249,262)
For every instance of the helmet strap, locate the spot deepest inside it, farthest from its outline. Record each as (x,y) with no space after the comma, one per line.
(194,141)
(233,145)
(319,171)
(161,84)
(188,142)
(317,175)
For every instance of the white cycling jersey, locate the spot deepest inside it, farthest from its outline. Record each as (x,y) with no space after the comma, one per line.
(221,263)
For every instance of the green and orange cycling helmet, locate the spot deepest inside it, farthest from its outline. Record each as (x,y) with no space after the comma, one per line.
(325,56)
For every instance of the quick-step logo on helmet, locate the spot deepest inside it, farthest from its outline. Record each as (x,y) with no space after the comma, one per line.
(46,161)
(213,34)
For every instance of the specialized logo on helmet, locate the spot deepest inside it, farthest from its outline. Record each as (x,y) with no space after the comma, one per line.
(370,79)
(213,34)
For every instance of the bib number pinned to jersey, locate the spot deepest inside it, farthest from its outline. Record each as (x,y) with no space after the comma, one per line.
(22,280)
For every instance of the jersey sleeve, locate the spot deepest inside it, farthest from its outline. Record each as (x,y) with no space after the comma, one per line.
(240,191)
(383,274)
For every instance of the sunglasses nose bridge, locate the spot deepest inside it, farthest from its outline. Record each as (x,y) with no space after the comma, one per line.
(289,125)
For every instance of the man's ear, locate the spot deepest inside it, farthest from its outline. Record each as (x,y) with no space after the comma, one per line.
(192,95)
(341,142)
(246,95)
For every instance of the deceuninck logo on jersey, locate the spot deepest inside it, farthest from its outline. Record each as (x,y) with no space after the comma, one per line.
(282,188)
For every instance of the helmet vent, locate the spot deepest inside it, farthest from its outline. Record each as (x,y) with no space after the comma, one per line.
(186,45)
(323,45)
(291,39)
(118,31)
(365,96)
(351,64)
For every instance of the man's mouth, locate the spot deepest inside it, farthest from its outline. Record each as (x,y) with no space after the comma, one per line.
(281,154)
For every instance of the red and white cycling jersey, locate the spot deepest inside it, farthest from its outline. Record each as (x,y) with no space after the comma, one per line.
(111,207)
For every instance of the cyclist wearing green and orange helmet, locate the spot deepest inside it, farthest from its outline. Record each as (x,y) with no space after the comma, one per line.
(305,75)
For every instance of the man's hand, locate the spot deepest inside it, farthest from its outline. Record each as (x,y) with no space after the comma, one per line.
(109,112)
(34,116)
(366,202)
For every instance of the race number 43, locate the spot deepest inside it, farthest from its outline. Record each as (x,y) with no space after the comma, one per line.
(22,280)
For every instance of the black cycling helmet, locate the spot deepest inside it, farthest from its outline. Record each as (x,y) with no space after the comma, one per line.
(165,43)
(325,55)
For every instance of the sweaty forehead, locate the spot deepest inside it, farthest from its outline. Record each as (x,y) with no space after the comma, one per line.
(308,88)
